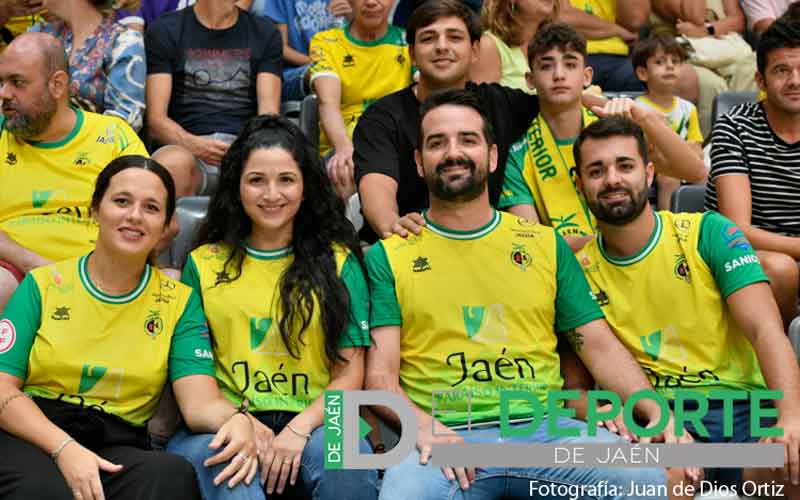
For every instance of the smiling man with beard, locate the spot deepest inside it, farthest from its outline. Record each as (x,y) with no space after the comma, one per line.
(469,308)
(685,293)
(50,155)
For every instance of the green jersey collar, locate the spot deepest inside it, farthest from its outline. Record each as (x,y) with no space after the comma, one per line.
(267,254)
(463,235)
(655,236)
(112,299)
(65,140)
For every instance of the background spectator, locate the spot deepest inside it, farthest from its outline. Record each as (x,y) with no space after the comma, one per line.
(149,10)
(16,17)
(106,59)
(510,25)
(298,21)
(210,68)
(609,27)
(761,14)
(352,67)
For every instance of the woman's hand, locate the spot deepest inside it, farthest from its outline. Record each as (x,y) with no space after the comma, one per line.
(264,438)
(690,29)
(283,459)
(81,469)
(238,436)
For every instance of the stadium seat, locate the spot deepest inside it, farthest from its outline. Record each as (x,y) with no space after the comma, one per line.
(291,110)
(794,336)
(726,100)
(190,212)
(309,119)
(688,198)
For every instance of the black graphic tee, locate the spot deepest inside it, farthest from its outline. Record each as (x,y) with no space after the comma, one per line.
(213,71)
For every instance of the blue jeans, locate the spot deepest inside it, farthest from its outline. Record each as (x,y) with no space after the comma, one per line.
(292,87)
(314,481)
(410,480)
(614,73)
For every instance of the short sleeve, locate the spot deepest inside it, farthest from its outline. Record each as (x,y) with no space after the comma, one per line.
(385,309)
(276,10)
(272,58)
(726,251)
(375,145)
(126,74)
(191,276)
(190,352)
(522,108)
(159,48)
(127,141)
(352,275)
(515,190)
(574,303)
(19,324)
(727,149)
(693,133)
(321,58)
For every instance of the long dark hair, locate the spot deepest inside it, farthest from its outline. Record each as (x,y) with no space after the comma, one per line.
(318,225)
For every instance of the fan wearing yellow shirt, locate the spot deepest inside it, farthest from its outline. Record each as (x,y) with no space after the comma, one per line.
(473,306)
(280,274)
(539,180)
(87,346)
(50,156)
(685,293)
(352,67)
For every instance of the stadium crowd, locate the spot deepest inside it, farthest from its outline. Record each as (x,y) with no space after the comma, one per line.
(443,199)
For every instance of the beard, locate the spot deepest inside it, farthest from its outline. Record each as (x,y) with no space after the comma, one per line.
(462,188)
(29,124)
(622,212)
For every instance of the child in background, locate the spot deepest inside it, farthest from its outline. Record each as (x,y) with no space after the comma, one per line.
(657,62)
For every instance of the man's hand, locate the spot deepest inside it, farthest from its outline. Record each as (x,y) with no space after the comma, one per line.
(341,8)
(628,37)
(441,434)
(689,29)
(209,150)
(341,171)
(791,442)
(622,106)
(413,222)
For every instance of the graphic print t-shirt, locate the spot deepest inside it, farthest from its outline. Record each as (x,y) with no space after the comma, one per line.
(213,71)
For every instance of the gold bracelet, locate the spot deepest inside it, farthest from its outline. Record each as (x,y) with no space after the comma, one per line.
(307,436)
(60,448)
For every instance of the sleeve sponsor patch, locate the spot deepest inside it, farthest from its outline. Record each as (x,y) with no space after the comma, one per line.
(8,335)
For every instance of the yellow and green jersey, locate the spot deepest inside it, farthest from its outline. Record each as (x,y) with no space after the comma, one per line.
(667,302)
(681,117)
(251,358)
(68,340)
(478,313)
(46,187)
(539,172)
(366,71)
(18,25)
(607,11)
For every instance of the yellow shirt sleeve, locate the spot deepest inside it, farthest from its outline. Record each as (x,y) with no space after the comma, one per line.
(693,133)
(320,54)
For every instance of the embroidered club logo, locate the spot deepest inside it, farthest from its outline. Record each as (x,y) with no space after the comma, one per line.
(734,238)
(520,256)
(11,159)
(8,335)
(421,264)
(681,269)
(153,325)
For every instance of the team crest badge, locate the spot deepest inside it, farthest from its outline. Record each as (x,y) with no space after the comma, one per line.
(8,335)
(153,325)
(11,159)
(520,256)
(421,264)
(681,269)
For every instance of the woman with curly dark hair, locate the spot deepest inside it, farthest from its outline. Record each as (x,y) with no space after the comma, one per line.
(281,275)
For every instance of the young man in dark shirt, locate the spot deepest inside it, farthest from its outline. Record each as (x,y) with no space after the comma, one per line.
(443,40)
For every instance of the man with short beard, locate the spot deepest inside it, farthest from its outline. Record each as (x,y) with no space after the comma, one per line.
(685,293)
(50,155)
(481,288)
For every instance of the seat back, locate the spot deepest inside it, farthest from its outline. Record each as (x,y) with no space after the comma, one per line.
(727,100)
(309,120)
(190,211)
(688,198)
(794,336)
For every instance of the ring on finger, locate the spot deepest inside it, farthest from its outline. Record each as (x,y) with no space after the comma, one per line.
(242,457)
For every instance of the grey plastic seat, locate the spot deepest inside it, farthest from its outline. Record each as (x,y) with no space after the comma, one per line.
(190,211)
(309,120)
(727,100)
(688,198)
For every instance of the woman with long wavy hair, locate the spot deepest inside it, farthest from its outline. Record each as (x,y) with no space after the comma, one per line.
(281,275)
(509,25)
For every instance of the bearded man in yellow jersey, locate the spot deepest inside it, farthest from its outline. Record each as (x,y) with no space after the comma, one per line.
(470,307)
(50,155)
(685,293)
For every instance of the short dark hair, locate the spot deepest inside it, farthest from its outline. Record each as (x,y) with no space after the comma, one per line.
(647,48)
(456,97)
(784,33)
(604,128)
(431,11)
(556,35)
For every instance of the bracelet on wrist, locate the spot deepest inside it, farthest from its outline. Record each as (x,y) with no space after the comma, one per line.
(302,435)
(54,455)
